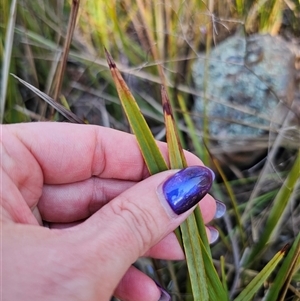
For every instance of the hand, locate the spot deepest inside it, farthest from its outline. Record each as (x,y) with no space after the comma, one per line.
(91,186)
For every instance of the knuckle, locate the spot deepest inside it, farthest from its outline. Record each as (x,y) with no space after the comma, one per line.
(141,224)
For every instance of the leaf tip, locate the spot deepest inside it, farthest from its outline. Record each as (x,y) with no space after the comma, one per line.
(165,102)
(110,61)
(285,248)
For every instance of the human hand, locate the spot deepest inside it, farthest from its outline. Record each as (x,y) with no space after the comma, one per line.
(91,186)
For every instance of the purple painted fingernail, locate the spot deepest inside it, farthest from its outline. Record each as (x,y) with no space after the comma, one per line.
(187,187)
(214,234)
(164,295)
(220,209)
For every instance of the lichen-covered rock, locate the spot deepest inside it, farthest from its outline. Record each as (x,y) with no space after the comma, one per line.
(245,81)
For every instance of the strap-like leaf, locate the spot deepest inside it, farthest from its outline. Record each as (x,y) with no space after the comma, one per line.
(276,213)
(176,155)
(285,273)
(61,109)
(196,265)
(150,151)
(205,281)
(252,288)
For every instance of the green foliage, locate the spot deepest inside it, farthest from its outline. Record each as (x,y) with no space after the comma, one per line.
(203,276)
(248,293)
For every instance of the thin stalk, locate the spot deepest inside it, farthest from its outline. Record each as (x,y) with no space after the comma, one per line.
(66,48)
(9,39)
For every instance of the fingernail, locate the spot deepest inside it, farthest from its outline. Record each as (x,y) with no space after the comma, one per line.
(187,187)
(212,172)
(220,209)
(164,295)
(214,234)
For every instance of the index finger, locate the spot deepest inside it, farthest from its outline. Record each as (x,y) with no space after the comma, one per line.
(69,153)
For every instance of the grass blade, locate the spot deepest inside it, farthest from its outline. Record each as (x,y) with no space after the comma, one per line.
(189,230)
(176,156)
(152,156)
(248,293)
(61,109)
(191,127)
(7,56)
(285,273)
(276,212)
(193,252)
(66,48)
(205,281)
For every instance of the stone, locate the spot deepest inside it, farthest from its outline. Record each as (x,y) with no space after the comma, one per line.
(250,81)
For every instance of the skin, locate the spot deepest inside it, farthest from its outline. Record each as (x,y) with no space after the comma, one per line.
(91,186)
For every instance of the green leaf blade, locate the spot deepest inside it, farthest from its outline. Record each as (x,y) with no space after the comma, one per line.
(276,214)
(285,273)
(150,151)
(58,107)
(176,155)
(195,262)
(205,281)
(248,293)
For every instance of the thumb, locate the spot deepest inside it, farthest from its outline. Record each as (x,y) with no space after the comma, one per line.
(141,216)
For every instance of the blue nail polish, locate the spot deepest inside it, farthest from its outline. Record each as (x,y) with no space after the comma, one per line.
(187,187)
(164,295)
(220,209)
(214,234)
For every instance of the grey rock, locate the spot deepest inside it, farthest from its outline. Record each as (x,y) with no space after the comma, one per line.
(247,81)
